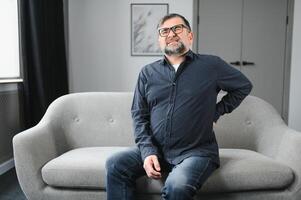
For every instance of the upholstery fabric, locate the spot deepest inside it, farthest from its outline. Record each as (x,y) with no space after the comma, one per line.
(241,170)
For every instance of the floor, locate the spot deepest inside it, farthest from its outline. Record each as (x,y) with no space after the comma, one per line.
(9,186)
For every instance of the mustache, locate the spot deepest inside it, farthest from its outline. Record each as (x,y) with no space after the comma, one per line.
(173,39)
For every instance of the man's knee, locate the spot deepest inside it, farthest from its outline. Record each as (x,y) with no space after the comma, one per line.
(181,188)
(178,189)
(115,163)
(123,163)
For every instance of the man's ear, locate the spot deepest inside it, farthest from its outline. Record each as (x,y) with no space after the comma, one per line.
(190,36)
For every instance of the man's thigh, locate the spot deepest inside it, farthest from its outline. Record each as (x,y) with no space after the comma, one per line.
(192,172)
(127,162)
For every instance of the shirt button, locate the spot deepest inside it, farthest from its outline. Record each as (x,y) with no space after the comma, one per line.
(173,83)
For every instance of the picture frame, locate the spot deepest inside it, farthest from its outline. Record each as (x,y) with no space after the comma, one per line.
(144,34)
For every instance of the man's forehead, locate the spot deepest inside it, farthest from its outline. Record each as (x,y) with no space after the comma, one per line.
(172,21)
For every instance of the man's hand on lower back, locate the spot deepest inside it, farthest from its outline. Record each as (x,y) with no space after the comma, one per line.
(152,167)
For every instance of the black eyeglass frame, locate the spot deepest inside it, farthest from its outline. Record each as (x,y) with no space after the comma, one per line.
(173,29)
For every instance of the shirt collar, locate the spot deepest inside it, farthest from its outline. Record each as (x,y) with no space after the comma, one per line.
(188,55)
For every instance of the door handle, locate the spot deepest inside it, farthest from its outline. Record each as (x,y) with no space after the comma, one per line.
(247,63)
(235,63)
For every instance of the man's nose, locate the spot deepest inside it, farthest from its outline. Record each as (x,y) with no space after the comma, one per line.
(171,34)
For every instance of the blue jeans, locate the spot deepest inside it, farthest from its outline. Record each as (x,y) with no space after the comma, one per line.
(182,182)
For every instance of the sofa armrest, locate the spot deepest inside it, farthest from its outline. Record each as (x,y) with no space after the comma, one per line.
(33,148)
(289,153)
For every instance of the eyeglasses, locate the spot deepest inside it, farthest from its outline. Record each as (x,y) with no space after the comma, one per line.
(176,29)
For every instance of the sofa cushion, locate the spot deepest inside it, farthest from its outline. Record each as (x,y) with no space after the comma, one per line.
(241,170)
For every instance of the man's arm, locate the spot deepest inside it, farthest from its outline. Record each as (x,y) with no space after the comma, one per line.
(142,131)
(236,84)
(141,120)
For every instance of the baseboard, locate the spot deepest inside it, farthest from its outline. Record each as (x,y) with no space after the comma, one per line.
(7,165)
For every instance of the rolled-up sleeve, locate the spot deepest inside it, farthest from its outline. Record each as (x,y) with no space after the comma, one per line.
(235,83)
(141,120)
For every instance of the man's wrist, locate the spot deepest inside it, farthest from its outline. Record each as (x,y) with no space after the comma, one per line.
(216,116)
(148,152)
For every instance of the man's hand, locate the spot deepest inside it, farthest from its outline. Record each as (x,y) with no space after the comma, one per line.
(152,167)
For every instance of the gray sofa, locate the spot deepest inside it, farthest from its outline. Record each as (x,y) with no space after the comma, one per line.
(63,157)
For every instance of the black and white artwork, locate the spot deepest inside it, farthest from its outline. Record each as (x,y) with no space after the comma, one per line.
(144,20)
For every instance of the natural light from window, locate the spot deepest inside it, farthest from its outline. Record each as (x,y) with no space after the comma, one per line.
(9,40)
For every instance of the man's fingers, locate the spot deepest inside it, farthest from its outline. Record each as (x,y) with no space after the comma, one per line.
(154,174)
(151,171)
(156,164)
(152,167)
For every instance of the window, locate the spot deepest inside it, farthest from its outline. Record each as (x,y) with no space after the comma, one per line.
(9,40)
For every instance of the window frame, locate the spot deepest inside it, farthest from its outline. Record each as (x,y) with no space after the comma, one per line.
(19,78)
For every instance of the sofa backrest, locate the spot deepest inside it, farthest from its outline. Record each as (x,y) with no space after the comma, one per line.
(104,119)
(250,126)
(93,119)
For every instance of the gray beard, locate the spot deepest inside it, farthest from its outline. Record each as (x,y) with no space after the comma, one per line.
(174,51)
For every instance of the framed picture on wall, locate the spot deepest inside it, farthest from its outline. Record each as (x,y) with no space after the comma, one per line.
(144,34)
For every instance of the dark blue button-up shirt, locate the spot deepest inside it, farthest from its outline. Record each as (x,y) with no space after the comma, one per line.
(173,112)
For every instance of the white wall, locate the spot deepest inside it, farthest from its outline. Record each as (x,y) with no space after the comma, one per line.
(294,113)
(99,44)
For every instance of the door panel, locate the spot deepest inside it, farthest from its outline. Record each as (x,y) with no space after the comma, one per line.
(219,30)
(264,28)
(248,30)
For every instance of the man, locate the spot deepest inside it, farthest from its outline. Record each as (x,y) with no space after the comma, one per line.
(173,110)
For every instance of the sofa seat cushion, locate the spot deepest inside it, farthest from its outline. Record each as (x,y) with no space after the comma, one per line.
(241,170)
